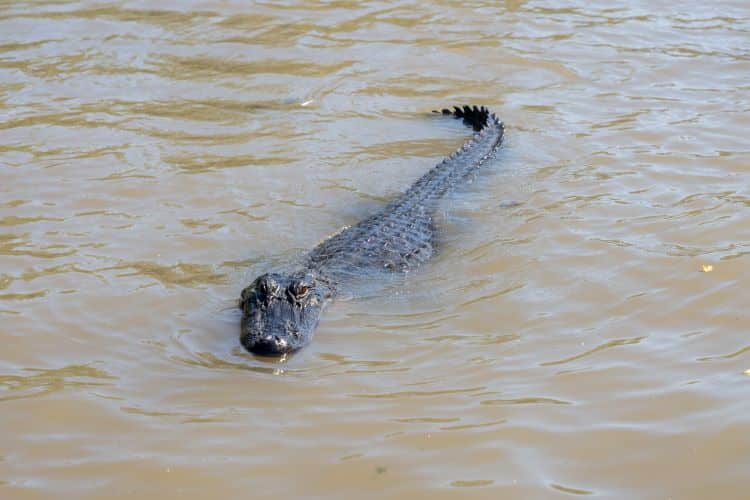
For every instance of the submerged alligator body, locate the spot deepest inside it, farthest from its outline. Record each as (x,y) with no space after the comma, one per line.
(280,311)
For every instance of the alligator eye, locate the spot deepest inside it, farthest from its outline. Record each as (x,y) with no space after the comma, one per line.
(268,286)
(299,290)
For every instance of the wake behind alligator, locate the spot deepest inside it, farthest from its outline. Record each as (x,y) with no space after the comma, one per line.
(280,311)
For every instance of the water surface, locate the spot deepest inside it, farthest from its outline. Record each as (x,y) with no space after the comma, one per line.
(583,330)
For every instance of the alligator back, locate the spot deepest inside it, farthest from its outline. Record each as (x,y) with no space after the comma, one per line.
(401,235)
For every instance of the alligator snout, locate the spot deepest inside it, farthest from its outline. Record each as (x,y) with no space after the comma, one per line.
(270,345)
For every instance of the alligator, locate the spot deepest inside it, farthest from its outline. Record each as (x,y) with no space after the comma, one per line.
(281,310)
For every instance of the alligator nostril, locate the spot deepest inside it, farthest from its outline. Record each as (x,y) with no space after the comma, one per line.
(280,343)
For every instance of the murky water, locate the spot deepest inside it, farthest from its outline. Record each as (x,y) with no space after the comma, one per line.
(591,339)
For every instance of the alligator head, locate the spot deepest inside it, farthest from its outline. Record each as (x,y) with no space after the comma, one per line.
(280,312)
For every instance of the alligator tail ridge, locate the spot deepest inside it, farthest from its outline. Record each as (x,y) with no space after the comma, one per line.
(473,116)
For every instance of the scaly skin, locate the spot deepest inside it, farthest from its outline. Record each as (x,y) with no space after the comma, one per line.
(280,311)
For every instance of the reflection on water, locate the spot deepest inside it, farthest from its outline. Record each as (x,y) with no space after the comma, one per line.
(566,340)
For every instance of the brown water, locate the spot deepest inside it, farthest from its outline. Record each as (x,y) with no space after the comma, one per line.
(153,160)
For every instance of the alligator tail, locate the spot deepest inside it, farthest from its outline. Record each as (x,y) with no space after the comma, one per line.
(473,116)
(455,168)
